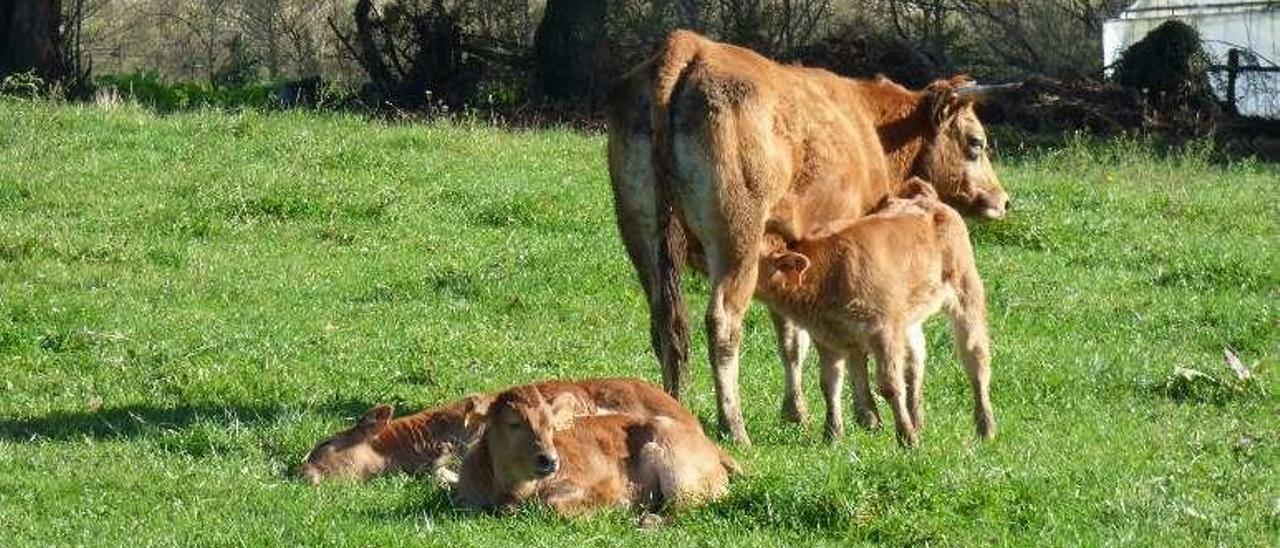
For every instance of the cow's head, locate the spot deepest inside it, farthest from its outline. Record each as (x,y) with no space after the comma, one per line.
(520,429)
(357,453)
(955,160)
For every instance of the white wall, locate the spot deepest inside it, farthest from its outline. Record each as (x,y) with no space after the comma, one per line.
(1257,30)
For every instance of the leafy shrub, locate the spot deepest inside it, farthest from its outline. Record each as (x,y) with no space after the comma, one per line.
(22,84)
(148,89)
(1169,66)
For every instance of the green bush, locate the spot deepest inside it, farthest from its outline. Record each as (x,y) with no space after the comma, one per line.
(148,89)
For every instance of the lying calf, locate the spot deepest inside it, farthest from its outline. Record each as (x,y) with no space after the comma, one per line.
(427,441)
(423,442)
(870,284)
(535,448)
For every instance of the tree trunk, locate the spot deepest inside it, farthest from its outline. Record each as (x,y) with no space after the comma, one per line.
(568,48)
(29,38)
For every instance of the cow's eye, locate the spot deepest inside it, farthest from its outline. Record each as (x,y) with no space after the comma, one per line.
(977,143)
(514,425)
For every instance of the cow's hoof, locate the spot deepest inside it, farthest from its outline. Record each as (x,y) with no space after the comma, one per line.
(794,411)
(869,420)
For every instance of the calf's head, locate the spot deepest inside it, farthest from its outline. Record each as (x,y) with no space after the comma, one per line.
(783,269)
(955,159)
(349,453)
(371,447)
(520,429)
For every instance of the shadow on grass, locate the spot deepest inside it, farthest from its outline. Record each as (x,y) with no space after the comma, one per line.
(424,501)
(130,421)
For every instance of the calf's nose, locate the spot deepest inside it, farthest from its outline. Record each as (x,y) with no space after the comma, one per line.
(546,464)
(310,474)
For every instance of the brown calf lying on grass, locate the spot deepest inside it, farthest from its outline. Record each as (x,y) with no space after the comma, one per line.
(535,448)
(427,441)
(871,283)
(377,445)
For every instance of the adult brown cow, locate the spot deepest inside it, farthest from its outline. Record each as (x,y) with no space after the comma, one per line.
(755,144)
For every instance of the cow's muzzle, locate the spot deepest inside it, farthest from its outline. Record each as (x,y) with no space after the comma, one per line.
(991,206)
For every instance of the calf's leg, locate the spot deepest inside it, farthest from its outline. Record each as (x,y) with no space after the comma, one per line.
(968,314)
(889,348)
(793,343)
(832,365)
(915,375)
(864,403)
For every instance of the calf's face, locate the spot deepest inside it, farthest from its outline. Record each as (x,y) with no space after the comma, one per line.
(349,453)
(425,442)
(520,431)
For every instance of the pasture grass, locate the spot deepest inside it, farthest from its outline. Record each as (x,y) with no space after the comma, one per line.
(188,302)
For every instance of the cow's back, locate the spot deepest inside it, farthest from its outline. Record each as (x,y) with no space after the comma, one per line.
(798,142)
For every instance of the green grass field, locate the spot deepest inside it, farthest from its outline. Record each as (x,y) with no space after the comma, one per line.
(188,302)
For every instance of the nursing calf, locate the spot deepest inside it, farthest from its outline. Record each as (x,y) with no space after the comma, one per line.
(870,284)
(535,448)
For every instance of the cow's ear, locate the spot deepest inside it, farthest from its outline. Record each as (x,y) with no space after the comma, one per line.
(792,266)
(563,408)
(378,416)
(961,80)
(944,102)
(475,410)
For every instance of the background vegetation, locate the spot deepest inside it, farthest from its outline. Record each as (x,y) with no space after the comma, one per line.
(189,301)
(476,52)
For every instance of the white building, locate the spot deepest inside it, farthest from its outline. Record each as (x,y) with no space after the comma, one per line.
(1223,24)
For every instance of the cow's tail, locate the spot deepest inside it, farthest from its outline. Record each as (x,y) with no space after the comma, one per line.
(670,324)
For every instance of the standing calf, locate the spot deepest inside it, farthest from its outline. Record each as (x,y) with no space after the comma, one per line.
(534,448)
(871,283)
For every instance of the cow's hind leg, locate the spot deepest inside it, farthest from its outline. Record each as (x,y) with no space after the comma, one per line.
(672,355)
(733,286)
(634,186)
(793,343)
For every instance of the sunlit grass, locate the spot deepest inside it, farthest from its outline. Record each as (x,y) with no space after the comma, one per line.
(187,302)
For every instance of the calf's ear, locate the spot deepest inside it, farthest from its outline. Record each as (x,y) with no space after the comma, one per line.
(475,409)
(563,409)
(378,416)
(792,266)
(916,187)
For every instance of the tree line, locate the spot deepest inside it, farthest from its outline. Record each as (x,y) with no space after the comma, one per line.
(455,53)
